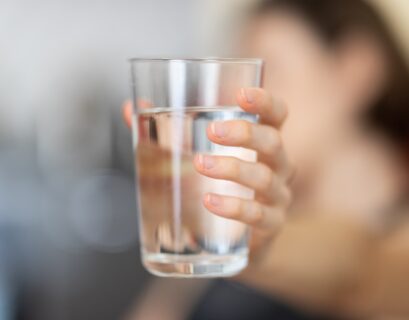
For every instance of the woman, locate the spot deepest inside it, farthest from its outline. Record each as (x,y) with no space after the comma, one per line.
(336,248)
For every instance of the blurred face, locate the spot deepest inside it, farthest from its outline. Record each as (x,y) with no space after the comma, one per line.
(318,85)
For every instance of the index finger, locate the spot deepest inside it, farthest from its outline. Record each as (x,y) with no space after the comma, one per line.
(259,101)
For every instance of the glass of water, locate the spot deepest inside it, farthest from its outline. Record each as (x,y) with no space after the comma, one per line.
(174,102)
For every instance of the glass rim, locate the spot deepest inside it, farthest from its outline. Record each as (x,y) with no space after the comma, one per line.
(256,61)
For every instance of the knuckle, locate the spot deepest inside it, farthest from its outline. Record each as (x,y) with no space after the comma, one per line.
(233,171)
(264,97)
(256,213)
(244,127)
(259,94)
(238,209)
(267,177)
(273,142)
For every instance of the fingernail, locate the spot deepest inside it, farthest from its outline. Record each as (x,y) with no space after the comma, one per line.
(247,95)
(218,129)
(214,200)
(206,162)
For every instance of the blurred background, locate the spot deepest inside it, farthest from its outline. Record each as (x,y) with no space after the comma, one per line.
(68,222)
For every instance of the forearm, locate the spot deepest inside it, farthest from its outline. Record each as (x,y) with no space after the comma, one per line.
(328,264)
(315,262)
(385,288)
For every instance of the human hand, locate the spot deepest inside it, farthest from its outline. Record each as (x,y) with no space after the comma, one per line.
(268,176)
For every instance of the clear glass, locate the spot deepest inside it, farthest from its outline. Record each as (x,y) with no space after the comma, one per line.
(174,102)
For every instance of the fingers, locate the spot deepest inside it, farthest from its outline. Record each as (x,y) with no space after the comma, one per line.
(127,110)
(264,139)
(258,101)
(254,175)
(249,212)
(127,113)
(261,138)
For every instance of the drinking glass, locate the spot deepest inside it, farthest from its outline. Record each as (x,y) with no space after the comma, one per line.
(174,101)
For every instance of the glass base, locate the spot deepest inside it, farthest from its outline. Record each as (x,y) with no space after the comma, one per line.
(194,266)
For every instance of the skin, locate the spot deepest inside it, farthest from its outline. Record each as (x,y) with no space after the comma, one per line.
(328,249)
(268,176)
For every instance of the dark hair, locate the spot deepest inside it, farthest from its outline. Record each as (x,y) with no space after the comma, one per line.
(333,19)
